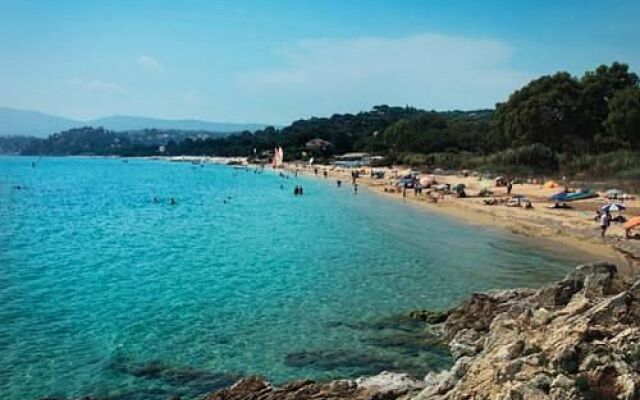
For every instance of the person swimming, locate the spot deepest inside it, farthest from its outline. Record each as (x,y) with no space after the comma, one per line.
(172,201)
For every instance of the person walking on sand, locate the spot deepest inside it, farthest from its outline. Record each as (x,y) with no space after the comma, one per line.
(605,219)
(404,190)
(509,187)
(324,173)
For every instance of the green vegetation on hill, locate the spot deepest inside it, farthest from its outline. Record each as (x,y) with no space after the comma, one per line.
(556,123)
(99,141)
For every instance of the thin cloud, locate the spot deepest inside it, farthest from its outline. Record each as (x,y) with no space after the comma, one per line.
(149,63)
(98,86)
(190,97)
(426,70)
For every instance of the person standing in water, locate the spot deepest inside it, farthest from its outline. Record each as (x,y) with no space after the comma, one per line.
(339,182)
(355,188)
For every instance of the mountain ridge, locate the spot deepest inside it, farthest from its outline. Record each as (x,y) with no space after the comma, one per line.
(19,122)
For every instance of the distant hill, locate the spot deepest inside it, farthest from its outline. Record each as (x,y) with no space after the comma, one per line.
(34,123)
(129,122)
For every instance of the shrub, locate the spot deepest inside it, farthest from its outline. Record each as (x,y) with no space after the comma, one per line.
(536,157)
(623,164)
(414,159)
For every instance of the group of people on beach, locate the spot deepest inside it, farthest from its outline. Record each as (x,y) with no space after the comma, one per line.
(604,219)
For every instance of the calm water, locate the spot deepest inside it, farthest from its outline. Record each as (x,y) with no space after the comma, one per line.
(104,292)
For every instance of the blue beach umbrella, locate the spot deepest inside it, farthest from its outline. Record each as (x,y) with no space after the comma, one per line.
(613,207)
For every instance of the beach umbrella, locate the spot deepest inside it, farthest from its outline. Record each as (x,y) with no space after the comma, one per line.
(632,223)
(614,193)
(613,207)
(427,181)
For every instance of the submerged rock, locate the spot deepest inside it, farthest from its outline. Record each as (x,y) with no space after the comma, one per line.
(335,360)
(185,381)
(430,317)
(576,339)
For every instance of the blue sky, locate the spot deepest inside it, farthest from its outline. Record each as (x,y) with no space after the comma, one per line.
(276,61)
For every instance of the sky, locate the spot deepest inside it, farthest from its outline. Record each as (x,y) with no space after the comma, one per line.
(277,61)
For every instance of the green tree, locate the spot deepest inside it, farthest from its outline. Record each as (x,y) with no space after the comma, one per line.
(545,111)
(599,88)
(423,133)
(623,121)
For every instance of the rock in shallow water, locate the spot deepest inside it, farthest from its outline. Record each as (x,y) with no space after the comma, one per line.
(576,339)
(386,386)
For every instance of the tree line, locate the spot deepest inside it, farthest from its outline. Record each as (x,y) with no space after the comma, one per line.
(550,124)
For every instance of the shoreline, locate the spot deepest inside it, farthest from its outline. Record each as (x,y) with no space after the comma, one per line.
(568,234)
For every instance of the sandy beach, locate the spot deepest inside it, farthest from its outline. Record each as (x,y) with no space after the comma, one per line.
(574,228)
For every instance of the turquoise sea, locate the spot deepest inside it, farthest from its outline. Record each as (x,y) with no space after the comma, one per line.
(105,292)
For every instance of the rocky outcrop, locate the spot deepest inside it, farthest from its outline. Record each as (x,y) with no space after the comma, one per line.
(385,386)
(576,339)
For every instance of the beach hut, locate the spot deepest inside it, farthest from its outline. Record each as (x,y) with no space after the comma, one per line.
(318,144)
